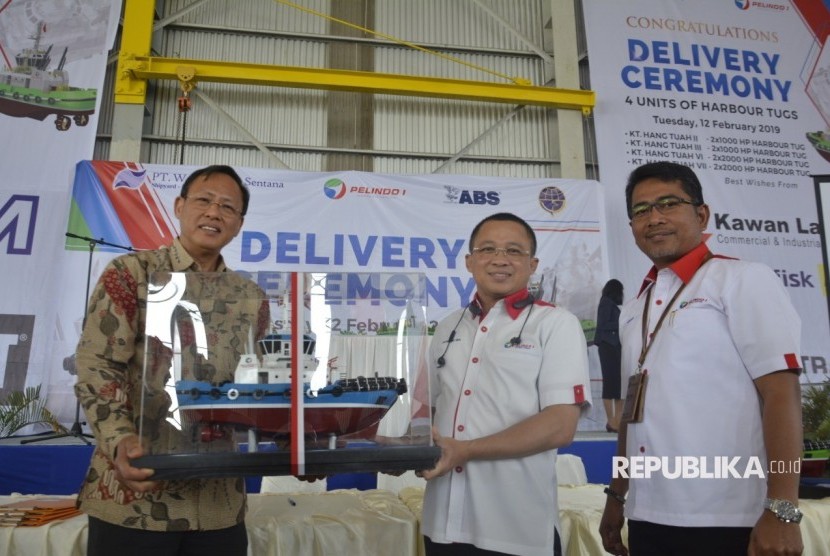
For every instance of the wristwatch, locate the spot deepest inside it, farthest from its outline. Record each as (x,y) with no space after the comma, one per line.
(783,510)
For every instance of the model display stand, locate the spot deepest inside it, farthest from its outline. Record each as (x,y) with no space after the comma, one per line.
(221,397)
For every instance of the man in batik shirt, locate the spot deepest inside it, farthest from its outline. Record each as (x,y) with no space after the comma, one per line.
(129,512)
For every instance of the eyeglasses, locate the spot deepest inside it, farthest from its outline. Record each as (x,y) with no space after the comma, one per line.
(204,203)
(664,205)
(512,253)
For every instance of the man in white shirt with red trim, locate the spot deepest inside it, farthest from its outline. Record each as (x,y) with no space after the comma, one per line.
(717,341)
(508,379)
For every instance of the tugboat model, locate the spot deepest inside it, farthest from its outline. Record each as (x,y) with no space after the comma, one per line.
(259,398)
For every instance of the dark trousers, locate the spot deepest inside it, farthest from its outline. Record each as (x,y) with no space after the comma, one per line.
(460,549)
(653,539)
(610,363)
(107,539)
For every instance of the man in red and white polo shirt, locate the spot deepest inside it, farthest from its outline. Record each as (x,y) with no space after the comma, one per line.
(717,341)
(508,380)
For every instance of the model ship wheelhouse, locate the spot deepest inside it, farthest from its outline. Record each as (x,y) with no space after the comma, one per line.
(259,398)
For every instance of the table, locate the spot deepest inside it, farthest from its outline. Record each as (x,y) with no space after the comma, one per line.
(43,468)
(580,511)
(371,523)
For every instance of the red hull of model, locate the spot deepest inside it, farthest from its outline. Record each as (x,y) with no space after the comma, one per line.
(319,421)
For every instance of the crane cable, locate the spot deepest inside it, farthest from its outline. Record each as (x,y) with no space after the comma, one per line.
(184,105)
(514,80)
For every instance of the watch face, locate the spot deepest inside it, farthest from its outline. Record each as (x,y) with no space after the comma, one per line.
(784,510)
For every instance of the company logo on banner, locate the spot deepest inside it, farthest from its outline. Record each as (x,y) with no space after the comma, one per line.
(120,204)
(18,217)
(16,341)
(552,199)
(336,188)
(470,197)
(741,96)
(761,5)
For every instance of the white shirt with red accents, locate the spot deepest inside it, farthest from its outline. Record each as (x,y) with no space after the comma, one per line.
(732,323)
(485,386)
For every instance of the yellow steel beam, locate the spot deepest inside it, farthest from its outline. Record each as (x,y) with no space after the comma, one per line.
(136,37)
(140,68)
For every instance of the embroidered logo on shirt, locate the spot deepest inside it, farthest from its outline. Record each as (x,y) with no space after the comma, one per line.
(685,304)
(510,344)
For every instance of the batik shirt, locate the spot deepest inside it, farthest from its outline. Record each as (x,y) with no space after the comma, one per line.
(111,357)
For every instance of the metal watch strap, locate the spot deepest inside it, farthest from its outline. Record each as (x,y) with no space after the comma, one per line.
(784,510)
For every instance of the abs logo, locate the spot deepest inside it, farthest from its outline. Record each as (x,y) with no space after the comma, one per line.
(471,197)
(334,188)
(17,223)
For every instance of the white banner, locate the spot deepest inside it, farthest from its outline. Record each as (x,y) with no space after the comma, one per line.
(342,221)
(738,90)
(53,57)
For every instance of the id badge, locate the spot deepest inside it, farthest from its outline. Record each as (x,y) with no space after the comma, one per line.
(635,398)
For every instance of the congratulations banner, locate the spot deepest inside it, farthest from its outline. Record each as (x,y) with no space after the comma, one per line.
(739,91)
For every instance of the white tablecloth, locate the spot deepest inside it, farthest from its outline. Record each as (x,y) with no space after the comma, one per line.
(374,522)
(580,510)
(368,523)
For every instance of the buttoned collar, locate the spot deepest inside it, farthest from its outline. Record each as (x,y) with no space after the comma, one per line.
(684,267)
(513,304)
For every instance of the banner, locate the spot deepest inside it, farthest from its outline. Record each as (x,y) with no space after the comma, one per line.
(348,222)
(822,184)
(53,58)
(739,91)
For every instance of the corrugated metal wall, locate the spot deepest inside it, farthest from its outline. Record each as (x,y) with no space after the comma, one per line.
(318,130)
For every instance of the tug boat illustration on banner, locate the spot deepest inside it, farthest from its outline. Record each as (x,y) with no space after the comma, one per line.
(30,89)
(259,398)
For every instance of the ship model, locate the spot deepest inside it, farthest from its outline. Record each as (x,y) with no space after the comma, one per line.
(259,398)
(31,90)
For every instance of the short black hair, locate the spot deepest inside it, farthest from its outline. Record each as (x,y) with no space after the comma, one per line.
(208,171)
(667,172)
(613,289)
(506,217)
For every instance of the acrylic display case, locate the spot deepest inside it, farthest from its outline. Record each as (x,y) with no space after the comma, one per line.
(221,396)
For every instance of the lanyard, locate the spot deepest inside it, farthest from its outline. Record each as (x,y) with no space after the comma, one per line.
(646,345)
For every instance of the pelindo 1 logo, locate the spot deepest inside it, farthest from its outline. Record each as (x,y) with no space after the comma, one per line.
(742,4)
(334,188)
